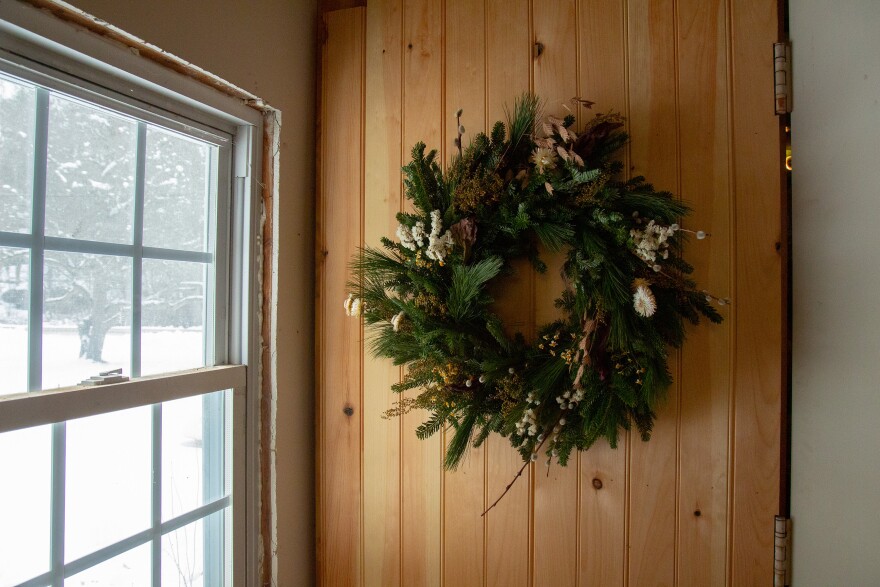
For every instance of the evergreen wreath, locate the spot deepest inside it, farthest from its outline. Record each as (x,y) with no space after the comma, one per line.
(601,368)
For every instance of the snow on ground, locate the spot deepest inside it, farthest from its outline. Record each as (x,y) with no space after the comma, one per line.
(108,473)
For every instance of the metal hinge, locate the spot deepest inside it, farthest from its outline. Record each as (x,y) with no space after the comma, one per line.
(782,552)
(782,76)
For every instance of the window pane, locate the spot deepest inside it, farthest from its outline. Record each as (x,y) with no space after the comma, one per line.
(173,317)
(17,115)
(87,316)
(130,569)
(176,191)
(193,556)
(14,306)
(194,467)
(90,173)
(25,503)
(108,479)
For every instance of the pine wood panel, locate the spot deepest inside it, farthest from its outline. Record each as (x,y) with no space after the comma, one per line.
(421,503)
(556,82)
(685,72)
(654,153)
(706,388)
(464,492)
(340,232)
(508,525)
(381,540)
(602,493)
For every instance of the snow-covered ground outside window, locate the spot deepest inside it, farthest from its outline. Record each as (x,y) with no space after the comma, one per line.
(108,468)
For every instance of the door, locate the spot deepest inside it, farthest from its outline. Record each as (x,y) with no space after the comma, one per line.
(693,506)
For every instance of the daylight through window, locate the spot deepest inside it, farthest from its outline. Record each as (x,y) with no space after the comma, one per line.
(116,230)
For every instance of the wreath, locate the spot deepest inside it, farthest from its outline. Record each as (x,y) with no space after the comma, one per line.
(530,185)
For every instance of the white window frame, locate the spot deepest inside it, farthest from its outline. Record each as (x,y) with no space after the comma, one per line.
(110,74)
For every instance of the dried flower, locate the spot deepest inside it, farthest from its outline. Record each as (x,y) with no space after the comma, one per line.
(438,245)
(544,159)
(406,238)
(478,191)
(652,241)
(418,233)
(643,300)
(464,233)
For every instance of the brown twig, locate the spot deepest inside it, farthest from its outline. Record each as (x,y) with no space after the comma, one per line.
(517,476)
(585,346)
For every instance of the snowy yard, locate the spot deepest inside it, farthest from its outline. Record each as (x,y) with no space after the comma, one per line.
(108,465)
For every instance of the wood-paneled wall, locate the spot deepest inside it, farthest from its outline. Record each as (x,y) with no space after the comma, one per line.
(695,505)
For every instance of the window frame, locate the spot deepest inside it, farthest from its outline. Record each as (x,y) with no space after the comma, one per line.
(47,46)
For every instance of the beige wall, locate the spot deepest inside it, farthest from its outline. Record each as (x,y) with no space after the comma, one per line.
(267,48)
(836,346)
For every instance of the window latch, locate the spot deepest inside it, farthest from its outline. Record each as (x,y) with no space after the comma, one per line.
(105,378)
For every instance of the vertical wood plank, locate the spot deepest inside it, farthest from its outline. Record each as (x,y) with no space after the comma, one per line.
(508,48)
(340,233)
(654,154)
(556,489)
(381,537)
(759,304)
(602,497)
(421,465)
(705,373)
(464,489)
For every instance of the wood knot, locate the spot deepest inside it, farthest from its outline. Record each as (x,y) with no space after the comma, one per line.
(698,513)
(539,49)
(348,411)
(597,483)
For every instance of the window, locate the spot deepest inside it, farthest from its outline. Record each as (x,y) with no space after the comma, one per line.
(126,215)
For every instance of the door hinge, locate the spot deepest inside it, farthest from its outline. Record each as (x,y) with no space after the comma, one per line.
(782,552)
(782,76)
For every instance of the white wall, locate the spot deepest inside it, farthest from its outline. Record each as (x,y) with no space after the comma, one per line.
(836,308)
(268,48)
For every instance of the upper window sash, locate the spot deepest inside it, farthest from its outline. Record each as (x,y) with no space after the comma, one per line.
(113,99)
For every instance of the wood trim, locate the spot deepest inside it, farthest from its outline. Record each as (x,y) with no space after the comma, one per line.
(271,138)
(758,295)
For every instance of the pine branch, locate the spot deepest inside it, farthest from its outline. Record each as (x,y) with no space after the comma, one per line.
(457,447)
(467,284)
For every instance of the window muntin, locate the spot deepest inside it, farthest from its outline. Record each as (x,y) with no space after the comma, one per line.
(139,269)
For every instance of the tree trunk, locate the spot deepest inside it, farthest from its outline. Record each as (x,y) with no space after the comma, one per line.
(95,348)
(98,323)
